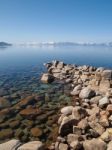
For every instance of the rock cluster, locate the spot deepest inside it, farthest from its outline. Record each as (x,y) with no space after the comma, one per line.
(88,123)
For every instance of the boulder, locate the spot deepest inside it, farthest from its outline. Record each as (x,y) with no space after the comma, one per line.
(67,110)
(34,145)
(94,144)
(86,93)
(107,74)
(47,78)
(10,145)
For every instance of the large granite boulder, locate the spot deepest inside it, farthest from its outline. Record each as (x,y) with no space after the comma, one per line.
(10,145)
(86,93)
(34,145)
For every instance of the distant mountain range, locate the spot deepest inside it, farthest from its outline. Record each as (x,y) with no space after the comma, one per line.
(4,44)
(64,44)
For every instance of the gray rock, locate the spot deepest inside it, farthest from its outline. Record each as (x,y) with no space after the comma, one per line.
(86,93)
(67,110)
(94,144)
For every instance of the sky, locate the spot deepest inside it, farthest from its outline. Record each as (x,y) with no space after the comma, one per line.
(55,20)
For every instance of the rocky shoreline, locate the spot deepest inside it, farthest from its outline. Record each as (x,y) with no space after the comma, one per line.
(87,123)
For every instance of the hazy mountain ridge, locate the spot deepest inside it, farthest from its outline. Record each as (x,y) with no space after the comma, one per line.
(2,44)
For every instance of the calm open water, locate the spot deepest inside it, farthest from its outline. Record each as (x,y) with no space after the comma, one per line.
(23,57)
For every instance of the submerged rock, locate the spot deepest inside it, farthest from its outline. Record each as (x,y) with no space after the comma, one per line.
(4,103)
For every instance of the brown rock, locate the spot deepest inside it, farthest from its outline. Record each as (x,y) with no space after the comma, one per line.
(79,113)
(4,103)
(24,102)
(109,108)
(29,112)
(36,132)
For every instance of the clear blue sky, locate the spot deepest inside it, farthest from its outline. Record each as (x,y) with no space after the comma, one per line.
(56,20)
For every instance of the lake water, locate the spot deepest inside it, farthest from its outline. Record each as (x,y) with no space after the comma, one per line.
(20,71)
(23,57)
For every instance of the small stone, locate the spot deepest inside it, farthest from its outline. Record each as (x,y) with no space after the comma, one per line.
(95,100)
(63,146)
(103,102)
(75,145)
(109,108)
(67,110)
(76,130)
(72,137)
(83,124)
(97,127)
(94,144)
(107,135)
(79,113)
(36,132)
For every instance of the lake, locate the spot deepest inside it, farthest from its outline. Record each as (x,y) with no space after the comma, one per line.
(20,71)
